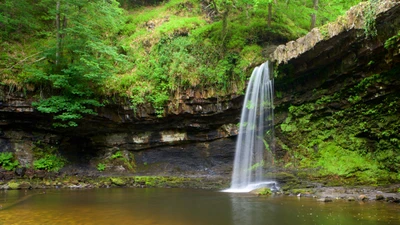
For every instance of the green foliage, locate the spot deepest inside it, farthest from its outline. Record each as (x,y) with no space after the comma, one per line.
(68,109)
(7,161)
(299,12)
(264,191)
(301,109)
(78,61)
(17,18)
(101,167)
(175,49)
(325,99)
(367,82)
(51,163)
(287,126)
(47,157)
(369,18)
(127,160)
(359,142)
(117,155)
(339,161)
(391,42)
(354,99)
(147,54)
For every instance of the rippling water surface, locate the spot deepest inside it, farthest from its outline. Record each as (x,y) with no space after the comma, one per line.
(184,206)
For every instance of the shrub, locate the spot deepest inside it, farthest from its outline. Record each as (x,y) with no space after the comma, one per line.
(7,162)
(51,163)
(101,167)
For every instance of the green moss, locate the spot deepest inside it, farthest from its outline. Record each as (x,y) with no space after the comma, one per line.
(161,181)
(149,180)
(301,191)
(335,160)
(263,191)
(124,158)
(13,185)
(118,181)
(125,181)
(355,144)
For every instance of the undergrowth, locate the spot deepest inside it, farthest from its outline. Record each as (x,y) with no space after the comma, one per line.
(47,157)
(359,143)
(146,53)
(7,161)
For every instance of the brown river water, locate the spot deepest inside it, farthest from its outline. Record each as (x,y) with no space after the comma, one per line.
(184,207)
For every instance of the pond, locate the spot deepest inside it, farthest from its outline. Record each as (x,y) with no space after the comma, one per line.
(183,207)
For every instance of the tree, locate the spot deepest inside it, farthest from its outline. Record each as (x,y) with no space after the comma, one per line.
(314,15)
(16,18)
(82,56)
(58,33)
(269,5)
(223,7)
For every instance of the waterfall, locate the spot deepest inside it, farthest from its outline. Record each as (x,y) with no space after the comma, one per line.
(255,140)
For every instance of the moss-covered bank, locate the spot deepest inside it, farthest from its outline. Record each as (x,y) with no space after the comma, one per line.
(84,182)
(337,112)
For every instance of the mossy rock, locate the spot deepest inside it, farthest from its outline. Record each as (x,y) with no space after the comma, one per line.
(13,185)
(262,191)
(118,181)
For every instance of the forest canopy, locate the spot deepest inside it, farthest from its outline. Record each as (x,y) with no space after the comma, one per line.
(76,55)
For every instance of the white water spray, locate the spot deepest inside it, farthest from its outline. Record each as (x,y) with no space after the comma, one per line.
(256,133)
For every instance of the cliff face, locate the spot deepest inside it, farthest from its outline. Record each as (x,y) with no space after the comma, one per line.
(197,136)
(336,90)
(337,97)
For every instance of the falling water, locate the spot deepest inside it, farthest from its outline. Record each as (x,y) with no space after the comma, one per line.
(254,144)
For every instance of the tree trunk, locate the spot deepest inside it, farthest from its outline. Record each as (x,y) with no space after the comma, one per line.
(215,6)
(269,14)
(313,15)
(58,33)
(224,32)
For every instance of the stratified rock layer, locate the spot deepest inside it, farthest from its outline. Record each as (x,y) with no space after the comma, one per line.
(194,136)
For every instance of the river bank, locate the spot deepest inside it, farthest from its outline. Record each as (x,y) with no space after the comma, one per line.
(319,191)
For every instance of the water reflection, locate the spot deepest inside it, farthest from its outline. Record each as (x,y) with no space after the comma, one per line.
(184,207)
(247,209)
